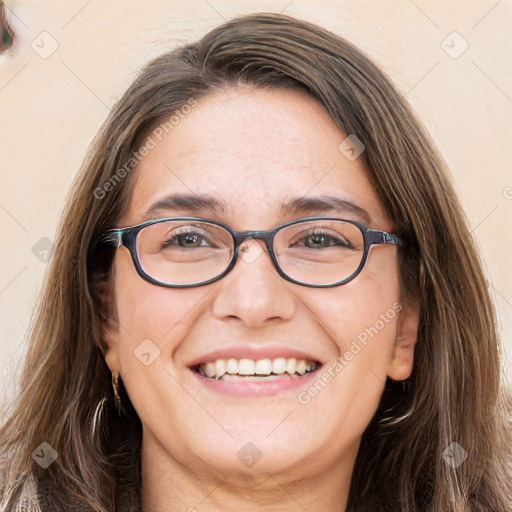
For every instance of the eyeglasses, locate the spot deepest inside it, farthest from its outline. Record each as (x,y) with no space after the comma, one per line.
(190,251)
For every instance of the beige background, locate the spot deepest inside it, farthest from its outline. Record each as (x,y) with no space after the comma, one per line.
(51,105)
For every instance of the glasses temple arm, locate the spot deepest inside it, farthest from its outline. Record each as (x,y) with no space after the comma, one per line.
(388,238)
(112,237)
(382,237)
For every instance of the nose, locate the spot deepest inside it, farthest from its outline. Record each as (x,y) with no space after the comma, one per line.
(253,291)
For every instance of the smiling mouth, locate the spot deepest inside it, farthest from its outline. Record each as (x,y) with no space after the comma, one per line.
(260,369)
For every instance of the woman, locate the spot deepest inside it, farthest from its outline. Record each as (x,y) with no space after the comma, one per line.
(264,296)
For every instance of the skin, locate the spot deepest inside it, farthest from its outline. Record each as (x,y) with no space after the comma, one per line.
(254,149)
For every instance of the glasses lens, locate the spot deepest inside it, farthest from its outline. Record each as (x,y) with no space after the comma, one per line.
(184,252)
(319,252)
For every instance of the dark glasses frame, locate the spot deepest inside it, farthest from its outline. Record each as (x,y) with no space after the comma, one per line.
(128,238)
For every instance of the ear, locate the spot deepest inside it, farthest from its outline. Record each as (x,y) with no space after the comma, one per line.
(112,353)
(402,358)
(105,295)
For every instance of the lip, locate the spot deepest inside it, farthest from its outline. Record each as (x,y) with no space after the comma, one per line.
(253,352)
(255,388)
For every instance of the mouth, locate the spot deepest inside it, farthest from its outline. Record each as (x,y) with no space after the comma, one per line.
(256,370)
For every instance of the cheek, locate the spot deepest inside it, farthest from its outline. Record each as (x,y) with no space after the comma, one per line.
(150,312)
(360,319)
(368,304)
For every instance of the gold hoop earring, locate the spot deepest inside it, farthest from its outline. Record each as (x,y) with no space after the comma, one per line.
(117,398)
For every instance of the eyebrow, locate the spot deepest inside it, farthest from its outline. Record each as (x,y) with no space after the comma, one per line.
(324,204)
(300,205)
(190,202)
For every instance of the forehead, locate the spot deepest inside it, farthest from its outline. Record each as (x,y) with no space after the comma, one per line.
(252,150)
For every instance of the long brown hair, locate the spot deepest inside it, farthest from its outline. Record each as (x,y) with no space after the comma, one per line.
(454,394)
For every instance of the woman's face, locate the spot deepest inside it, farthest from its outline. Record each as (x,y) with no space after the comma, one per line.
(253,150)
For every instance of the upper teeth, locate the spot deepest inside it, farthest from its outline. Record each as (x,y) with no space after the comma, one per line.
(277,366)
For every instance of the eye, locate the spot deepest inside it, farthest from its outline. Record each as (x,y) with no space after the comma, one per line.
(186,238)
(322,239)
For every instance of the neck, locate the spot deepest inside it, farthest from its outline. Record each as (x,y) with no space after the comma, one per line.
(171,486)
